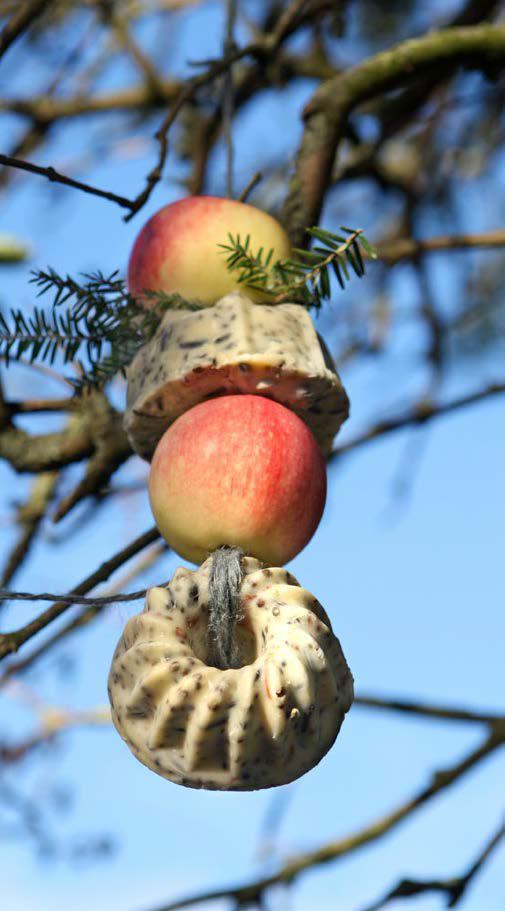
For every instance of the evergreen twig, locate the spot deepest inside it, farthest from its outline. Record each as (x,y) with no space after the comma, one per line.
(97,324)
(305,277)
(101,323)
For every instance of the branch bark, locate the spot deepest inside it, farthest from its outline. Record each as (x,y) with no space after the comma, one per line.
(56,177)
(20,22)
(29,517)
(82,618)
(453,888)
(11,642)
(418,415)
(253,893)
(94,432)
(327,113)
(395,251)
(441,712)
(263,48)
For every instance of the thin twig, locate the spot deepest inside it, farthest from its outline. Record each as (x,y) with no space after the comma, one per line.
(264,46)
(20,22)
(53,721)
(29,517)
(454,888)
(11,642)
(254,892)
(144,64)
(408,248)
(56,177)
(6,595)
(418,415)
(216,69)
(15,668)
(442,712)
(327,113)
(39,406)
(249,187)
(228,93)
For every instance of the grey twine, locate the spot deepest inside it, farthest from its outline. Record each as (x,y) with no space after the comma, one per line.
(225,580)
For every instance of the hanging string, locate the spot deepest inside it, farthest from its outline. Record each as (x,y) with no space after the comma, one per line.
(225,578)
(227,104)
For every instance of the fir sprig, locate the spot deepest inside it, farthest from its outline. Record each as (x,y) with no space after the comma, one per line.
(95,319)
(97,324)
(305,277)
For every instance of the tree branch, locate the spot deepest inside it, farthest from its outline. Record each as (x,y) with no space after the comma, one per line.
(263,48)
(453,888)
(94,431)
(53,722)
(19,23)
(396,112)
(254,892)
(56,177)
(29,517)
(442,712)
(82,619)
(111,449)
(11,642)
(47,451)
(46,110)
(418,415)
(395,251)
(327,113)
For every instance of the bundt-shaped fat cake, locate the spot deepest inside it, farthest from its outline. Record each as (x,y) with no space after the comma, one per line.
(258,725)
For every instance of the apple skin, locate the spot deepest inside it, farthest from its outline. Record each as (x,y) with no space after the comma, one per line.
(177,249)
(239,470)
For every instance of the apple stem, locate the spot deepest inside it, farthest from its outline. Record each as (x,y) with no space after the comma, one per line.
(225,580)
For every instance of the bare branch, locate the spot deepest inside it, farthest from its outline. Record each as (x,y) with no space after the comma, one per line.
(253,893)
(264,47)
(454,888)
(86,616)
(248,189)
(19,23)
(419,414)
(71,598)
(396,112)
(408,248)
(38,406)
(11,642)
(53,722)
(46,110)
(56,177)
(29,517)
(94,431)
(442,712)
(48,451)
(328,111)
(144,64)
(111,449)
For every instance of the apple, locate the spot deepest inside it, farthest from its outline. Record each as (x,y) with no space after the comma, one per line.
(239,470)
(177,249)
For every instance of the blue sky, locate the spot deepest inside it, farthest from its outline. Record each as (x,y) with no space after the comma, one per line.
(414,588)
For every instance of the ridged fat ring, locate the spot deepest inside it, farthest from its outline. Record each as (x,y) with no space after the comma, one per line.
(257,726)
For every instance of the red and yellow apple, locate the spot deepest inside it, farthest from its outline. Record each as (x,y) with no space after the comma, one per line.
(239,470)
(177,250)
